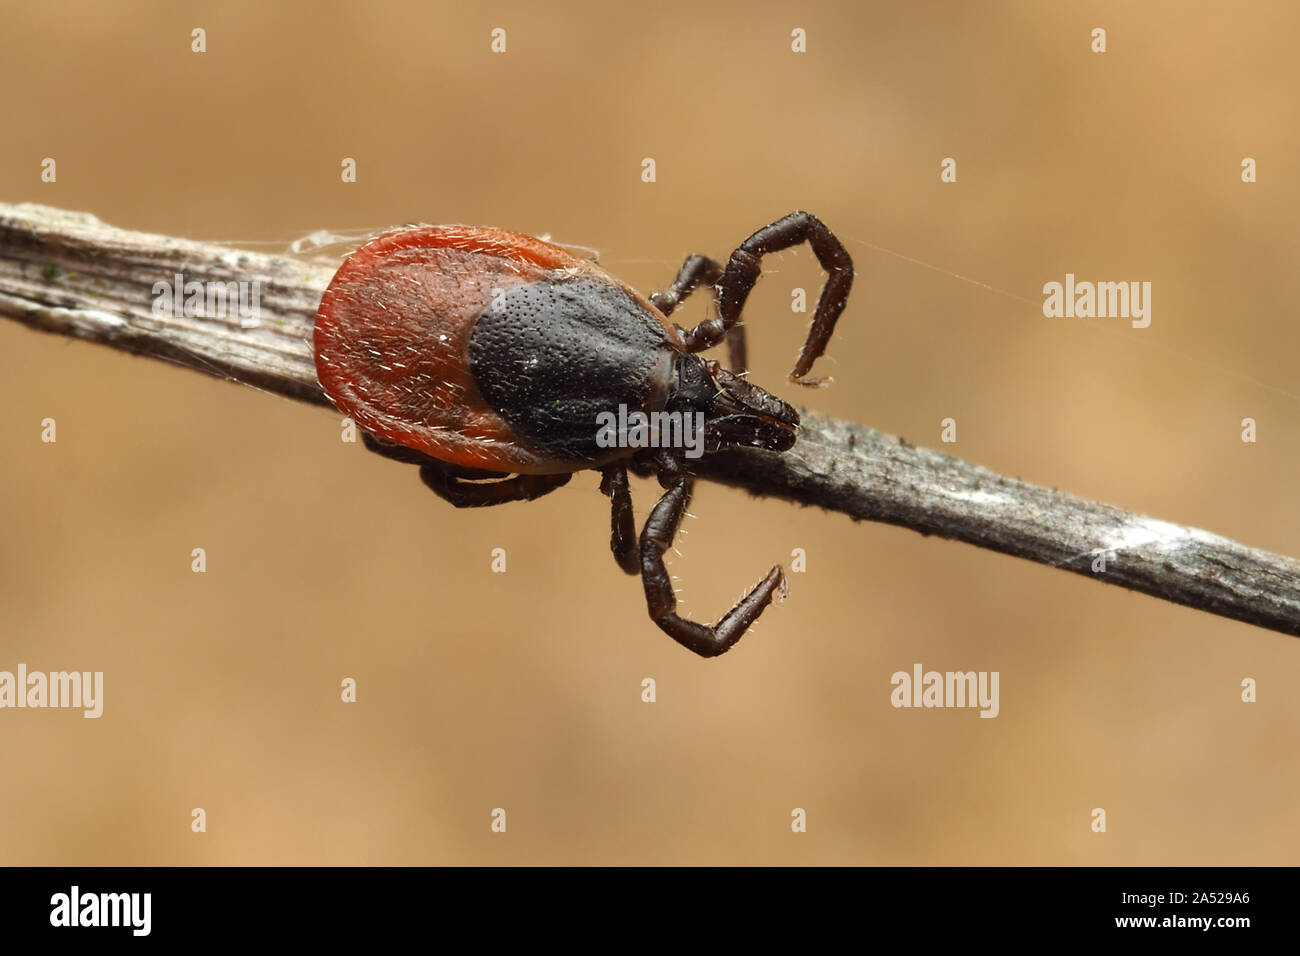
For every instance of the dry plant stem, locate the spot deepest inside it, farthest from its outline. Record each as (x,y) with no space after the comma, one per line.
(70,274)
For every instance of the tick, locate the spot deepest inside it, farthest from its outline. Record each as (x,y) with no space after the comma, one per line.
(490,359)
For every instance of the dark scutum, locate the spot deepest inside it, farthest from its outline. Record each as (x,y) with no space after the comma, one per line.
(550,356)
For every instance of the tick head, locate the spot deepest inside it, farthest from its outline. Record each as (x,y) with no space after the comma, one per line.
(735,412)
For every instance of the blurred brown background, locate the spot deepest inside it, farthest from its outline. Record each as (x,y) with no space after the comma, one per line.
(522,690)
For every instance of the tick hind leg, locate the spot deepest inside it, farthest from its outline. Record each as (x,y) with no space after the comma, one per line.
(462,490)
(743,270)
(395,452)
(467,487)
(657,537)
(622,528)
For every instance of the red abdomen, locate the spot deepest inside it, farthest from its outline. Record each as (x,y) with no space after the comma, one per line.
(393,343)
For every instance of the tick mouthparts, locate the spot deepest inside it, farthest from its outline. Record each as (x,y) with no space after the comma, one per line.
(738,397)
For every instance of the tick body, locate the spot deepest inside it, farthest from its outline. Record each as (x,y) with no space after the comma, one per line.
(488,358)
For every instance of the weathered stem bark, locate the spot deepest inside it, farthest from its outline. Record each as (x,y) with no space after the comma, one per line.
(70,274)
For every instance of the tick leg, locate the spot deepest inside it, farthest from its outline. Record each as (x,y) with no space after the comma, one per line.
(737,351)
(622,530)
(657,537)
(450,484)
(745,266)
(395,452)
(695,272)
(409,456)
(462,486)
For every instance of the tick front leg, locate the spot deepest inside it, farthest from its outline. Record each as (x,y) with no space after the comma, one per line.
(450,484)
(744,268)
(695,272)
(622,528)
(657,537)
(737,350)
